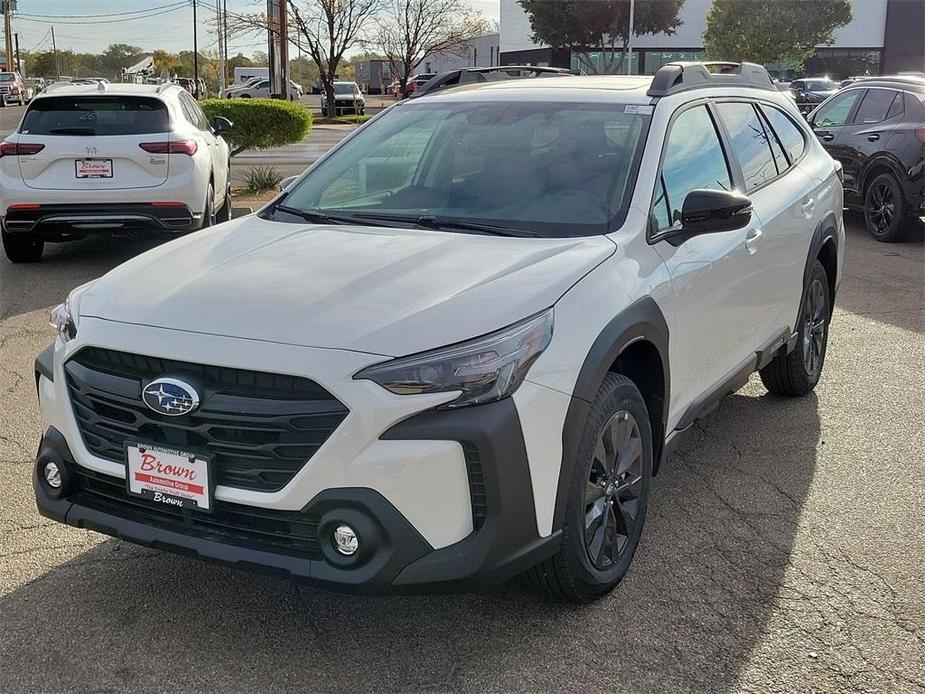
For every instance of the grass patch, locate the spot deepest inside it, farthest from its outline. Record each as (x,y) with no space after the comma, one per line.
(262,178)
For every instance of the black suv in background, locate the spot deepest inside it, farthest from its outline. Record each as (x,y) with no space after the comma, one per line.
(876,129)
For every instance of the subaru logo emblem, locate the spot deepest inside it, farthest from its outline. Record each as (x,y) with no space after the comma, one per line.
(170,396)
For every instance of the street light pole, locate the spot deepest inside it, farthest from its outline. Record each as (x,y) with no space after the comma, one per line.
(629,40)
(54,47)
(221,52)
(195,54)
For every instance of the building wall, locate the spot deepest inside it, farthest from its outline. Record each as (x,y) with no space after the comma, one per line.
(482,51)
(866,29)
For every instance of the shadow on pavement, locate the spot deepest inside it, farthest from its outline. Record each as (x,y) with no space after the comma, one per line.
(883,281)
(31,286)
(724,514)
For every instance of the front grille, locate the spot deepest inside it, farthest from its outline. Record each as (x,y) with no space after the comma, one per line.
(282,532)
(260,428)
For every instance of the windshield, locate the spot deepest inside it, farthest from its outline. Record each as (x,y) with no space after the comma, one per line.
(7,77)
(820,85)
(553,169)
(343,88)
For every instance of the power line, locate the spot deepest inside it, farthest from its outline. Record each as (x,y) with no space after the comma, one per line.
(103,21)
(107,14)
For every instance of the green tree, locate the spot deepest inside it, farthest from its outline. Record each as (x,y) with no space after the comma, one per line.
(599,25)
(260,123)
(768,31)
(118,56)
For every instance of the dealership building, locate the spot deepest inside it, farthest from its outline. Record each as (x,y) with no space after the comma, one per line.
(883,37)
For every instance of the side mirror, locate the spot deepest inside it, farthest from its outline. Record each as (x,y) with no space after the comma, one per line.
(711,211)
(286,183)
(221,125)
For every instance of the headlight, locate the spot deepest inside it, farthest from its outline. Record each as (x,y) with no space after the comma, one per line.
(485,369)
(63,322)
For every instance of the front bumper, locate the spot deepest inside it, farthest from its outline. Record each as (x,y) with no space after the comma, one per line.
(398,489)
(63,220)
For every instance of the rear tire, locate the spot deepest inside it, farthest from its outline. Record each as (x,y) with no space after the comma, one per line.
(797,373)
(885,213)
(22,249)
(224,212)
(608,497)
(208,210)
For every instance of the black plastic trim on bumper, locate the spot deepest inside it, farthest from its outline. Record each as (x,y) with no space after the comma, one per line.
(507,543)
(44,365)
(67,219)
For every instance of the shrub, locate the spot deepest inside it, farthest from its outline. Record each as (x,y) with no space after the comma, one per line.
(261,178)
(260,123)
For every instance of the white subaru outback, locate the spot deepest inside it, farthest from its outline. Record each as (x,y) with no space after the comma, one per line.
(99,158)
(457,349)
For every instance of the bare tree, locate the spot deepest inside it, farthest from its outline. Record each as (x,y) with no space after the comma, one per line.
(325,29)
(410,30)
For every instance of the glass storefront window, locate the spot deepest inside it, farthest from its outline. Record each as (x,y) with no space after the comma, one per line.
(655,59)
(596,58)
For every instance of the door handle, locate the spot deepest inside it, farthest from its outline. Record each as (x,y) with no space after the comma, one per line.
(826,137)
(873,137)
(752,238)
(807,208)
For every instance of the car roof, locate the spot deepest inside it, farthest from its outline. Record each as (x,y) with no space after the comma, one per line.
(910,82)
(127,89)
(617,88)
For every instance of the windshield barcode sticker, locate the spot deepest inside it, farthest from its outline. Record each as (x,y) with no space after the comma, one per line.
(640,109)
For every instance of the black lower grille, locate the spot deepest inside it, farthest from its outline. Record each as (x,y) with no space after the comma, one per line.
(260,428)
(477,495)
(282,532)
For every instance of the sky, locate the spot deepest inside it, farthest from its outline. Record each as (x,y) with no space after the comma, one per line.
(169,25)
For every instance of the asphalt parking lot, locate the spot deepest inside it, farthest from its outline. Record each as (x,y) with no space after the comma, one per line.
(784,550)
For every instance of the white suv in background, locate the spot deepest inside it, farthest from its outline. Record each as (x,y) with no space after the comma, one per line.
(458,348)
(94,158)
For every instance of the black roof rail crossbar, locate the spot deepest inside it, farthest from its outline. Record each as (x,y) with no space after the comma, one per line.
(475,75)
(672,78)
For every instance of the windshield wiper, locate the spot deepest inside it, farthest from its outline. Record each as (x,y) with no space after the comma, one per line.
(321,217)
(441,223)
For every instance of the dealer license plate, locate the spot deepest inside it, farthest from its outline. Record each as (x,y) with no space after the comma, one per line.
(94,168)
(170,477)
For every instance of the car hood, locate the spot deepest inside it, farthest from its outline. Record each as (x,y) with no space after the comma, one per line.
(375,290)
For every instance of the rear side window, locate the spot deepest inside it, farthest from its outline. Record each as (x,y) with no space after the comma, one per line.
(789,135)
(96,115)
(693,159)
(875,106)
(749,143)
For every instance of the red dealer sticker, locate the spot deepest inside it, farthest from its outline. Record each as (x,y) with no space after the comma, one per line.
(169,477)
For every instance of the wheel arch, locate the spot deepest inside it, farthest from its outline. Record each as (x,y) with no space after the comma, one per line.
(635,344)
(824,248)
(876,165)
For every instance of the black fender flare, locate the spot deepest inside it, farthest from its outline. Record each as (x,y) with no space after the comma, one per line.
(826,230)
(882,159)
(642,320)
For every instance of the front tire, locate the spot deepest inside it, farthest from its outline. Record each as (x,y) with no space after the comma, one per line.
(885,210)
(22,249)
(797,373)
(608,498)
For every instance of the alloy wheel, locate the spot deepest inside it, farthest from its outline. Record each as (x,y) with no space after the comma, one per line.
(814,326)
(882,207)
(613,490)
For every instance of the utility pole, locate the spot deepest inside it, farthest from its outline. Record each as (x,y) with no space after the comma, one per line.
(195,54)
(221,53)
(8,34)
(225,31)
(54,47)
(629,41)
(18,64)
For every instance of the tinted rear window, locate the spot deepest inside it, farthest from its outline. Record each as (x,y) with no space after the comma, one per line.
(96,115)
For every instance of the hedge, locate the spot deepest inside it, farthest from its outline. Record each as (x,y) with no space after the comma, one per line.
(260,123)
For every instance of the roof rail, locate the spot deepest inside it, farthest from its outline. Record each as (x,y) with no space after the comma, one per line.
(672,78)
(476,75)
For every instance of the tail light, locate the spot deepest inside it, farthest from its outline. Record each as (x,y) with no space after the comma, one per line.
(19,149)
(920,135)
(187,147)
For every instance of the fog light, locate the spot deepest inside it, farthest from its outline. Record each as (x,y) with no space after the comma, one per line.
(52,475)
(345,540)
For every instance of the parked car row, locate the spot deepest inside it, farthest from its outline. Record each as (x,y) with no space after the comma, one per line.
(259,88)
